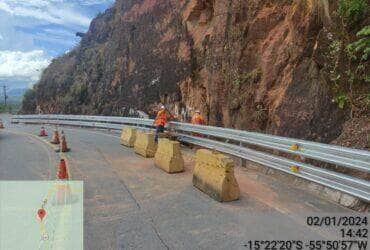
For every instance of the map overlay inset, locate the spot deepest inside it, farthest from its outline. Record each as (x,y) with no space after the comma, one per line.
(41,215)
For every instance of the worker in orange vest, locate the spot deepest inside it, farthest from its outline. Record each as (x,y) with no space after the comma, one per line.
(161,121)
(197,118)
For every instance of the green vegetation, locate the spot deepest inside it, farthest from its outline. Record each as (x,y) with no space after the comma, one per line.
(11,107)
(78,94)
(239,79)
(341,99)
(360,49)
(349,54)
(253,76)
(29,101)
(352,12)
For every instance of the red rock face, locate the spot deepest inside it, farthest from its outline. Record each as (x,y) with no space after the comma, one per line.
(245,64)
(257,68)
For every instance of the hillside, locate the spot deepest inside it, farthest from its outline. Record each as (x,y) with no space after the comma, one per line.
(274,66)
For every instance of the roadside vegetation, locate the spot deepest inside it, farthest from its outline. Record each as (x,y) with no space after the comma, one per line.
(349,54)
(10,108)
(29,101)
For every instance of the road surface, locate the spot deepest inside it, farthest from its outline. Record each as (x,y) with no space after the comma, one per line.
(131,204)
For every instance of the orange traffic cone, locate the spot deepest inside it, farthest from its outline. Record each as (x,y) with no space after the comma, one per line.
(62,173)
(55,139)
(63,143)
(1,125)
(42,132)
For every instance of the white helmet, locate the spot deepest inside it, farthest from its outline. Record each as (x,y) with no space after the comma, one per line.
(163,107)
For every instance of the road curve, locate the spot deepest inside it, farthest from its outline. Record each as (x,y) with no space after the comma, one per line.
(131,204)
(23,157)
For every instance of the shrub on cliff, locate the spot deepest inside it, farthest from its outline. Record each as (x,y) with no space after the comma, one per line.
(29,101)
(360,49)
(352,12)
(350,51)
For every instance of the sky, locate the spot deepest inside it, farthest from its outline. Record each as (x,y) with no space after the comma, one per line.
(32,32)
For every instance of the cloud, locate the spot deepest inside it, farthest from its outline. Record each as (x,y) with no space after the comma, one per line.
(34,31)
(54,11)
(22,65)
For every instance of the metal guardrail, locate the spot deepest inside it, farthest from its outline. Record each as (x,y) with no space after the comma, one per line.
(237,143)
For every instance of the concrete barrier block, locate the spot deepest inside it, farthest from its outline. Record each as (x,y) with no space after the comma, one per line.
(168,156)
(144,144)
(128,136)
(214,175)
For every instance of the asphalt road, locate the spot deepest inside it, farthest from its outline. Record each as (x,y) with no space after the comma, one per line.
(130,204)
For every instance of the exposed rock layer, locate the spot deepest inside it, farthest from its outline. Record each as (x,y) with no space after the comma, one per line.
(252,65)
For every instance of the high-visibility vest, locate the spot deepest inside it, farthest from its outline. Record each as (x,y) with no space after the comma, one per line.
(197,119)
(161,118)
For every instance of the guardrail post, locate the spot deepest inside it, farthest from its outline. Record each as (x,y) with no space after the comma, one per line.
(242,162)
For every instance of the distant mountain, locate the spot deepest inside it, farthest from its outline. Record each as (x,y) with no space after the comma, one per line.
(17,92)
(14,95)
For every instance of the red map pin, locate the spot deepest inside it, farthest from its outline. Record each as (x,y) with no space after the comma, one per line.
(41,213)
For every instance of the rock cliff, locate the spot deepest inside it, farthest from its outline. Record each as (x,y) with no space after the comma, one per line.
(257,65)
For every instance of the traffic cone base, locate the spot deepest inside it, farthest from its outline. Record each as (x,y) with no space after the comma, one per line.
(65,150)
(62,173)
(63,144)
(42,132)
(55,139)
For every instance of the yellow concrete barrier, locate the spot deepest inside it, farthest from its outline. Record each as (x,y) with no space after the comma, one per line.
(168,156)
(128,136)
(214,175)
(144,144)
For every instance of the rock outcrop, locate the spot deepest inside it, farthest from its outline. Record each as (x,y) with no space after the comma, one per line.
(255,65)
